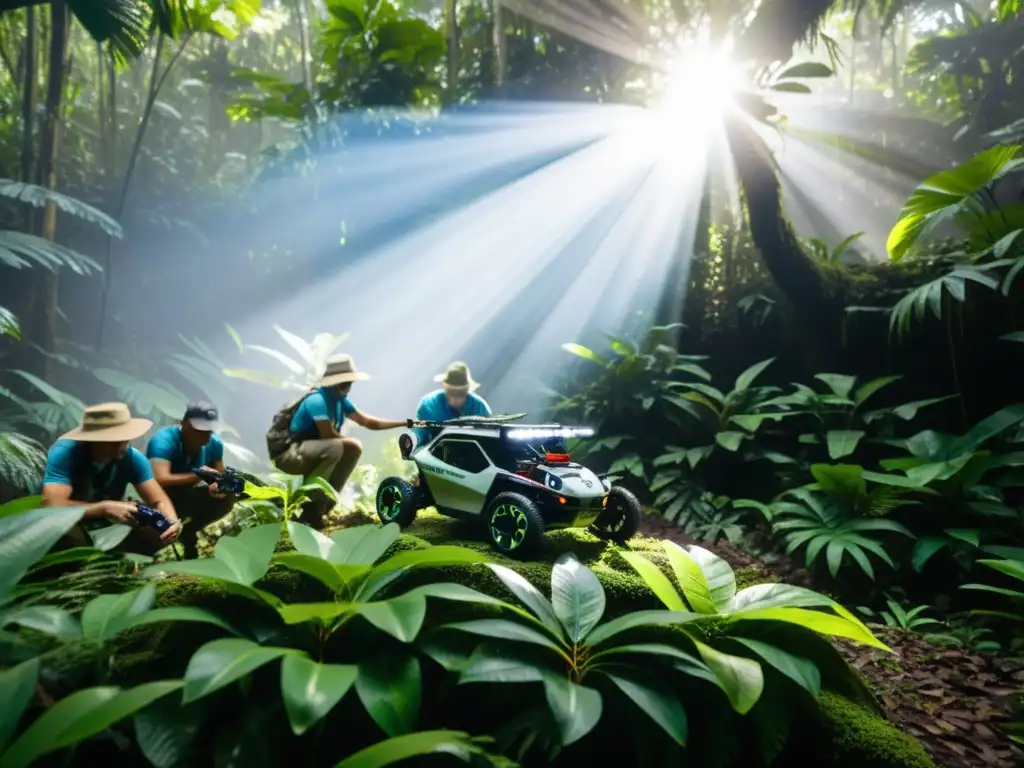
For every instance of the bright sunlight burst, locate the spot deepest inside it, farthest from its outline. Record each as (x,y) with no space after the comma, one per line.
(704,78)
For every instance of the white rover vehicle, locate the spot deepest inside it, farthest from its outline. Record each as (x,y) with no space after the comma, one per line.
(518,480)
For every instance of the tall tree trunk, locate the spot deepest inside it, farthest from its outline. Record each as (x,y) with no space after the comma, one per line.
(500,45)
(452,31)
(797,277)
(28,109)
(45,321)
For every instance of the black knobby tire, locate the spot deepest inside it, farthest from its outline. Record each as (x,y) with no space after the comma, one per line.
(620,519)
(396,502)
(514,524)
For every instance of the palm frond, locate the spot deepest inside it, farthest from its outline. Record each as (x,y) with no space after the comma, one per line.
(124,24)
(779,25)
(9,324)
(40,197)
(22,460)
(19,250)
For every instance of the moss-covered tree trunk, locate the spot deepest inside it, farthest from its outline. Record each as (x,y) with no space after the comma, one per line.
(799,279)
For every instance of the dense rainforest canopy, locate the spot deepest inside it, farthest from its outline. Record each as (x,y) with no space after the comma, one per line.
(764,251)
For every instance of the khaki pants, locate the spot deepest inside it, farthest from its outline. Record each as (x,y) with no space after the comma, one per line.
(195,503)
(305,457)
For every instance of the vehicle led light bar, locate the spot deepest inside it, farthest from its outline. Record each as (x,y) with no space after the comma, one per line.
(540,434)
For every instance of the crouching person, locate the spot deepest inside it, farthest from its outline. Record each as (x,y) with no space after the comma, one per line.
(93,465)
(175,453)
(308,432)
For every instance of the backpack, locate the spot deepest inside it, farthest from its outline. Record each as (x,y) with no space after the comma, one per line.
(280,436)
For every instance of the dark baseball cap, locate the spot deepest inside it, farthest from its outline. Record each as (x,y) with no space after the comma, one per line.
(203,416)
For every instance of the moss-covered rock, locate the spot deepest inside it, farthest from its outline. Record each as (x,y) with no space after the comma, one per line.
(847,735)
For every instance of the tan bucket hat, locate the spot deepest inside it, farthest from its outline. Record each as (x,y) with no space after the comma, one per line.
(458,378)
(108,423)
(340,369)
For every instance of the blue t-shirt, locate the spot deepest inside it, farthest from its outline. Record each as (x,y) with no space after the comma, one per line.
(322,405)
(435,407)
(68,463)
(167,444)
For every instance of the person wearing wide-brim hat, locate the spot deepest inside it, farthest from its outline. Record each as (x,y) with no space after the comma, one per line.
(456,398)
(307,433)
(92,466)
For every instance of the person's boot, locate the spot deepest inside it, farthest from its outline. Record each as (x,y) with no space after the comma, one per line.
(313,515)
(190,548)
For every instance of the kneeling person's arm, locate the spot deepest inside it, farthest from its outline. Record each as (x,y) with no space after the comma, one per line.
(161,452)
(372,422)
(57,481)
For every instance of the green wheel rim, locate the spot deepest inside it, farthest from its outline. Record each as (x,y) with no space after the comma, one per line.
(389,502)
(509,526)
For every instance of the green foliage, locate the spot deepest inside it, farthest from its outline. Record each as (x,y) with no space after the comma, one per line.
(304,372)
(963,194)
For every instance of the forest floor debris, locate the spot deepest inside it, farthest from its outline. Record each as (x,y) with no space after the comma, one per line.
(953,701)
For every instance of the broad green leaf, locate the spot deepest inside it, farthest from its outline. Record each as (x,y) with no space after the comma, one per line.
(26,537)
(401,617)
(327,573)
(390,689)
(399,748)
(222,662)
(106,615)
(773,595)
(801,671)
(925,548)
(178,613)
(648,649)
(717,572)
(730,440)
(790,87)
(308,541)
(741,679)
(586,354)
(47,619)
(577,597)
(502,629)
(298,613)
(1014,568)
(842,442)
(311,690)
(637,620)
(806,69)
(692,583)
(659,705)
(576,708)
(529,596)
(165,730)
(248,554)
(869,388)
(81,715)
(840,384)
(17,686)
(109,536)
(363,544)
(656,580)
(746,379)
(494,663)
(435,556)
(967,535)
(823,623)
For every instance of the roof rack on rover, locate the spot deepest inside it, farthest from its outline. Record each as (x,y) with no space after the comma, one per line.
(506,428)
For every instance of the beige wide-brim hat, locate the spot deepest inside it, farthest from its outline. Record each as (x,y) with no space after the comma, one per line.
(108,423)
(341,369)
(457,378)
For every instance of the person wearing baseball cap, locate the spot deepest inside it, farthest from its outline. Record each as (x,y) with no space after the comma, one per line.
(175,453)
(93,465)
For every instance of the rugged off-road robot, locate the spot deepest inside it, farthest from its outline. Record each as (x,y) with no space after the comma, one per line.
(518,480)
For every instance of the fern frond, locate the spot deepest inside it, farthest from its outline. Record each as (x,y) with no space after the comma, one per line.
(9,324)
(40,197)
(22,461)
(19,250)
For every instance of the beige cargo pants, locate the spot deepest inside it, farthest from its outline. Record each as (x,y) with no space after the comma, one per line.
(303,458)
